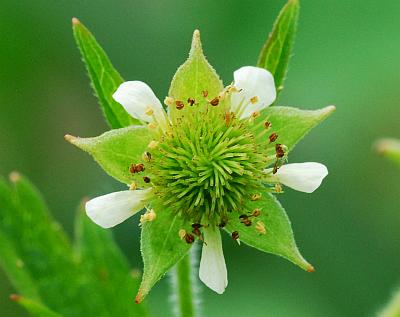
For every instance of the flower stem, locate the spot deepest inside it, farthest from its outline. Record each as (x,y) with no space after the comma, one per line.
(184,288)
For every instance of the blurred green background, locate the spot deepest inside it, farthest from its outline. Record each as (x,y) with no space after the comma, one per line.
(346,53)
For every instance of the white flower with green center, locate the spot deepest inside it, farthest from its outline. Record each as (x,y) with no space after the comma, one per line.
(210,162)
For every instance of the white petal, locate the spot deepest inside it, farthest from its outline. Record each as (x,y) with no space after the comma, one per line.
(253,82)
(212,264)
(304,177)
(137,97)
(110,210)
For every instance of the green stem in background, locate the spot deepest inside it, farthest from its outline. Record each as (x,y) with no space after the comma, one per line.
(393,307)
(183,288)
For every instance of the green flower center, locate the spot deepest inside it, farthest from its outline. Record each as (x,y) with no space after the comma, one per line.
(208,165)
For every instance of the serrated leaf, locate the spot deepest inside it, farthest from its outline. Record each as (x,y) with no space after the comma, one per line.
(291,124)
(192,78)
(278,238)
(34,308)
(116,150)
(161,246)
(277,50)
(98,252)
(104,77)
(389,148)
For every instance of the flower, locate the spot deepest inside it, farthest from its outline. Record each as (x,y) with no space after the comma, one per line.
(232,161)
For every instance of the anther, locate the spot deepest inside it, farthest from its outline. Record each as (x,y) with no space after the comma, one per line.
(169,101)
(204,93)
(152,125)
(254,100)
(133,186)
(191,101)
(153,144)
(222,224)
(245,220)
(255,197)
(188,237)
(149,111)
(279,150)
(278,189)
(214,102)
(150,215)
(267,124)
(235,235)
(136,168)
(256,212)
(146,179)
(260,227)
(255,114)
(273,137)
(179,104)
(146,156)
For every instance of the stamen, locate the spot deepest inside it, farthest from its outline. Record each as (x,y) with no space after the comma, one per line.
(179,104)
(273,137)
(169,101)
(255,197)
(256,212)
(204,93)
(152,125)
(260,227)
(150,215)
(191,101)
(136,168)
(153,144)
(146,156)
(267,125)
(133,186)
(214,102)
(146,179)
(149,111)
(235,235)
(254,100)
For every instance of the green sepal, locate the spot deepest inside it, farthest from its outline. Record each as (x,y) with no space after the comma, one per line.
(34,308)
(277,50)
(116,150)
(291,124)
(389,148)
(191,79)
(97,251)
(161,246)
(278,239)
(104,78)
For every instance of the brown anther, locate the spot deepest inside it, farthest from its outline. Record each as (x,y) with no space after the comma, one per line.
(196,225)
(255,197)
(146,179)
(179,105)
(222,224)
(267,124)
(255,114)
(204,93)
(254,99)
(279,150)
(228,117)
(256,212)
(191,101)
(273,137)
(235,235)
(136,168)
(214,102)
(189,238)
(246,222)
(243,217)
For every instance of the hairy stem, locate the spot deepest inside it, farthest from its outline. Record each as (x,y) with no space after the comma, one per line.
(184,288)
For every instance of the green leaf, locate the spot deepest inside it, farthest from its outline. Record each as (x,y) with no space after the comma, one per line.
(277,50)
(192,78)
(291,124)
(279,237)
(33,307)
(161,246)
(116,150)
(98,252)
(389,148)
(104,78)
